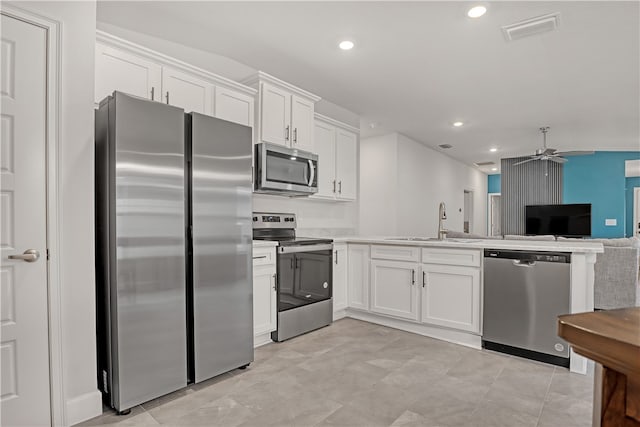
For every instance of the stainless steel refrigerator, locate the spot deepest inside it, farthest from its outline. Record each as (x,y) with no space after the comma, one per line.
(173,249)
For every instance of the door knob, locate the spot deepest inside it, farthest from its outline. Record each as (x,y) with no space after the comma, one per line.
(30,255)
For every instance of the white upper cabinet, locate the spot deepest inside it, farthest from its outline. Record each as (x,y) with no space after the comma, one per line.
(136,70)
(186,91)
(301,123)
(233,106)
(285,113)
(346,164)
(325,148)
(337,150)
(275,115)
(126,72)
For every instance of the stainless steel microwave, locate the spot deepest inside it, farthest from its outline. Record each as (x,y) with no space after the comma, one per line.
(285,171)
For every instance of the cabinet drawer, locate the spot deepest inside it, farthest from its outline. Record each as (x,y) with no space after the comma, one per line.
(396,253)
(264,256)
(468,257)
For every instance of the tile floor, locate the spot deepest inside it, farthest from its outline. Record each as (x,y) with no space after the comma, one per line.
(354,373)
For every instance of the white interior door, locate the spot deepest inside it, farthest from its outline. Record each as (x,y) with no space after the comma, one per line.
(23,304)
(636,211)
(495,227)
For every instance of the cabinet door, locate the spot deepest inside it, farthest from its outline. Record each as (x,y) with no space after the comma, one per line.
(125,72)
(233,106)
(264,299)
(302,123)
(340,276)
(451,296)
(275,115)
(358,276)
(325,145)
(186,91)
(394,288)
(346,164)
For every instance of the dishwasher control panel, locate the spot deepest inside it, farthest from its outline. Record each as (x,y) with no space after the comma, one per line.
(560,257)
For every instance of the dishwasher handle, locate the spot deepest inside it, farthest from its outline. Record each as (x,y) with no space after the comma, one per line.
(523,263)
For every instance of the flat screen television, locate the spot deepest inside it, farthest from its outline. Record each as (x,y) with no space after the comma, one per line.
(571,220)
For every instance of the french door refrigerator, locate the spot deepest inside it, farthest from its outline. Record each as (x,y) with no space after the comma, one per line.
(170,309)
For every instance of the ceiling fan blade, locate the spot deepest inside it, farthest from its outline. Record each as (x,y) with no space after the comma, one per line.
(549,152)
(558,159)
(574,153)
(525,161)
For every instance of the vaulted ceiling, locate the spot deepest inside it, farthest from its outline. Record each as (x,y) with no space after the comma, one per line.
(419,66)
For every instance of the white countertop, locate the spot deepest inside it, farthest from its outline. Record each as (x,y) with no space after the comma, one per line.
(264,244)
(574,246)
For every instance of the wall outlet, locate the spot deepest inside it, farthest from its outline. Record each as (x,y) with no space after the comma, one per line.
(610,222)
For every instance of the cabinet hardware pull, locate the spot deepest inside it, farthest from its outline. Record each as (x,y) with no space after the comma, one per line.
(258,257)
(153,93)
(413,277)
(336,257)
(286,133)
(167,97)
(340,187)
(295,135)
(424,278)
(274,281)
(292,263)
(334,185)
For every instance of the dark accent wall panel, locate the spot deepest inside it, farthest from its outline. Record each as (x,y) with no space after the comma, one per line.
(534,183)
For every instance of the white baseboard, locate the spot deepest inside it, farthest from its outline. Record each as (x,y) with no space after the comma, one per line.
(83,407)
(260,340)
(457,337)
(339,314)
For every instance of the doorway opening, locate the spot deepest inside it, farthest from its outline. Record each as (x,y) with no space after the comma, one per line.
(494,223)
(467,211)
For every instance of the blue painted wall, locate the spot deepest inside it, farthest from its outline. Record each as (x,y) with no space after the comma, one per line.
(598,179)
(631,184)
(493,183)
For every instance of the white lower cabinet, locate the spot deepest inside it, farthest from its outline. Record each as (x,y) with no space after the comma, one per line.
(451,296)
(340,276)
(358,276)
(265,308)
(394,288)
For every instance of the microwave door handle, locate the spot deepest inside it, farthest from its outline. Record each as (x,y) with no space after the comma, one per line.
(312,172)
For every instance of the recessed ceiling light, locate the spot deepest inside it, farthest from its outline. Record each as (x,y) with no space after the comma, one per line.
(476,11)
(494,169)
(458,124)
(346,45)
(493,149)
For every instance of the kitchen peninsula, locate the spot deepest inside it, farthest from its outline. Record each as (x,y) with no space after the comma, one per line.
(435,287)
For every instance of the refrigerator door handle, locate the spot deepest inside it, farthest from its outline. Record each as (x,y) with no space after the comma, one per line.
(312,172)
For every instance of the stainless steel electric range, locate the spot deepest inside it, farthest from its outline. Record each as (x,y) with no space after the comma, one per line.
(304,280)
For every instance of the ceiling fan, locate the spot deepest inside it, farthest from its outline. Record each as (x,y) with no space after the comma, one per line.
(551,154)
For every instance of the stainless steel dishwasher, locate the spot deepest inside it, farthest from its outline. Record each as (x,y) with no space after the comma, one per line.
(524,292)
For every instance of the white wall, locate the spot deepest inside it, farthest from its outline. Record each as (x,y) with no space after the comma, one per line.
(76,257)
(408,205)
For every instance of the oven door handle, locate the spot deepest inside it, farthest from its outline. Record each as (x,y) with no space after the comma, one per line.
(305,248)
(312,172)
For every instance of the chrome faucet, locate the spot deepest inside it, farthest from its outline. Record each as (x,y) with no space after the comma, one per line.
(442,215)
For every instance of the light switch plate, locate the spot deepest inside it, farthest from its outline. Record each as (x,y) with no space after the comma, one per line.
(611,222)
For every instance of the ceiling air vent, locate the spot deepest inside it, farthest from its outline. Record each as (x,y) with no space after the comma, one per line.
(445,146)
(529,27)
(484,163)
